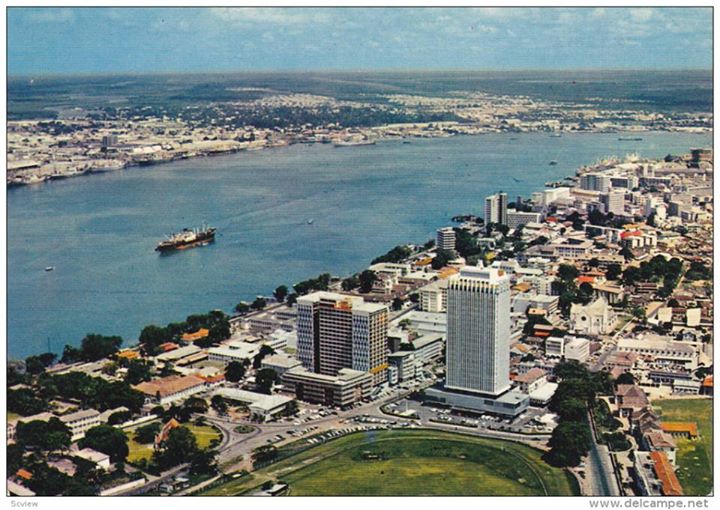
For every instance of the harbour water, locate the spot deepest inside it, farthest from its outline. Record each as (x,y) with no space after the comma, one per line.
(99,232)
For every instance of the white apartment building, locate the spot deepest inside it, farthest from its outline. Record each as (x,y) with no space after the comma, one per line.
(496,208)
(445,239)
(594,181)
(517,218)
(433,297)
(80,422)
(478,331)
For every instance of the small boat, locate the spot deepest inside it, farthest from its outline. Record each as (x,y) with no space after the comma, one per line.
(556,135)
(553,162)
(50,268)
(310,221)
(630,139)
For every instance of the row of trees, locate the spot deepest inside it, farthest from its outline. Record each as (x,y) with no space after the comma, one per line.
(657,269)
(92,348)
(91,392)
(572,438)
(216,322)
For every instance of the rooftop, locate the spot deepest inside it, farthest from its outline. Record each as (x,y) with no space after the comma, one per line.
(169,385)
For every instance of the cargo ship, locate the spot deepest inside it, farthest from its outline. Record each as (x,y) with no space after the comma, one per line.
(188,238)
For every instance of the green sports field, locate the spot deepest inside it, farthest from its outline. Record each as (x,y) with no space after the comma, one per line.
(694,456)
(412,463)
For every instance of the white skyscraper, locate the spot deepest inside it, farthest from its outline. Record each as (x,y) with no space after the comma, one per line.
(496,208)
(478,331)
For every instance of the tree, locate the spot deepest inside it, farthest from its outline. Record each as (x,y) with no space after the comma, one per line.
(242,308)
(15,454)
(265,378)
(195,405)
(625,378)
(397,304)
(442,257)
(350,283)
(235,371)
(24,402)
(627,252)
(292,408)
(264,455)
(119,417)
(280,293)
(95,347)
(71,354)
(107,439)
(265,350)
(568,272)
(613,271)
(585,293)
(570,441)
(572,409)
(259,303)
(218,403)
(367,278)
(37,364)
(49,436)
(146,434)
(180,446)
(151,337)
(291,299)
(138,371)
(203,461)
(397,254)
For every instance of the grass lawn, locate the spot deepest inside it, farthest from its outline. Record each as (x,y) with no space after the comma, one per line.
(694,456)
(203,433)
(412,463)
(138,451)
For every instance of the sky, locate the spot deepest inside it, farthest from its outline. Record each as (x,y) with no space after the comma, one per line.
(147,40)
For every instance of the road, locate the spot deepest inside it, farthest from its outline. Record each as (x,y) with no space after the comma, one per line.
(601,479)
(242,445)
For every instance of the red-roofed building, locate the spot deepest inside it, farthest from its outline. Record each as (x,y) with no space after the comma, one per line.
(666,474)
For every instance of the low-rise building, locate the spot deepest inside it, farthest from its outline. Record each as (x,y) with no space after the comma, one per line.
(405,363)
(99,458)
(280,363)
(532,380)
(170,389)
(344,389)
(262,407)
(80,422)
(577,349)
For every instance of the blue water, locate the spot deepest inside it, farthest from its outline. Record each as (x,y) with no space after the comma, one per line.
(99,232)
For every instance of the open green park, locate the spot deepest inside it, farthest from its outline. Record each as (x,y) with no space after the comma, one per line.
(694,456)
(410,463)
(204,434)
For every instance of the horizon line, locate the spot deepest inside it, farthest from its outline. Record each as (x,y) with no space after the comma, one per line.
(354,71)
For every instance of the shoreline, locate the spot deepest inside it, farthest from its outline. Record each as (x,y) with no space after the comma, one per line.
(409,242)
(382,139)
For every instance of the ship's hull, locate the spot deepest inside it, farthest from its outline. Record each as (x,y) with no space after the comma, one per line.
(201,240)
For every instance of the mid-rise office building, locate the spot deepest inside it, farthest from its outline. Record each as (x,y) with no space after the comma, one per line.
(496,208)
(614,202)
(337,332)
(595,182)
(445,239)
(517,218)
